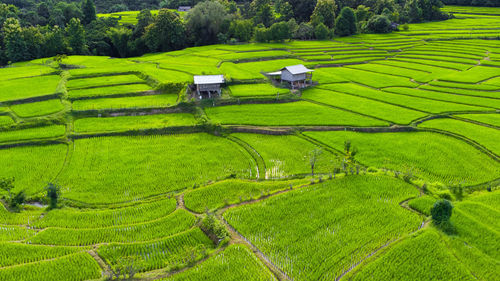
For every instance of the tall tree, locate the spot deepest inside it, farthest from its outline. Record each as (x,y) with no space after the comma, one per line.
(280,31)
(16,48)
(345,23)
(144,18)
(76,36)
(43,10)
(88,10)
(362,13)
(284,9)
(413,11)
(69,11)
(34,41)
(324,12)
(262,35)
(313,157)
(120,38)
(380,5)
(7,11)
(205,21)
(264,15)
(166,33)
(242,30)
(55,43)
(43,13)
(303,9)
(53,194)
(305,31)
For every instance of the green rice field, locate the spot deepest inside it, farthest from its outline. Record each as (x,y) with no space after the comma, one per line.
(286,114)
(26,88)
(256,90)
(317,228)
(153,101)
(109,91)
(86,182)
(125,123)
(37,108)
(124,169)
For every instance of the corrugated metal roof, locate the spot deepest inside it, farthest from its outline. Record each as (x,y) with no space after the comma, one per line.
(297,69)
(274,73)
(208,79)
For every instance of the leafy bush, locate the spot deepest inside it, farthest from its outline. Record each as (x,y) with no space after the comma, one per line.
(321,32)
(378,24)
(262,35)
(441,211)
(214,227)
(279,31)
(53,193)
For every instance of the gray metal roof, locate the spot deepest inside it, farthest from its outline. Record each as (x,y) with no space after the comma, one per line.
(297,69)
(208,79)
(274,73)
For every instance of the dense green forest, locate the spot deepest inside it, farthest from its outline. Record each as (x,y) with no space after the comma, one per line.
(33,29)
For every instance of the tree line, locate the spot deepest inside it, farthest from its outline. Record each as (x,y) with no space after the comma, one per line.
(48,28)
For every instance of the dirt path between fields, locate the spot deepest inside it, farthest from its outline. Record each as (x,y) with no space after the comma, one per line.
(106,271)
(403,204)
(236,237)
(160,273)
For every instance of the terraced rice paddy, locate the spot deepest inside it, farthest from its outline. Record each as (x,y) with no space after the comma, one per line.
(32,133)
(393,123)
(127,123)
(483,135)
(426,248)
(256,90)
(415,152)
(317,228)
(286,156)
(6,120)
(79,266)
(85,83)
(228,192)
(361,105)
(109,91)
(169,225)
(33,166)
(287,114)
(489,119)
(222,265)
(142,165)
(19,89)
(37,108)
(154,101)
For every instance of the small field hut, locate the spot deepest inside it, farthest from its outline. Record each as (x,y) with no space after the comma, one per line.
(298,76)
(208,85)
(184,8)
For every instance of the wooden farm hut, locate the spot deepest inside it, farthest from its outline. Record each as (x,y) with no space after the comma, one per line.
(184,8)
(208,85)
(298,76)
